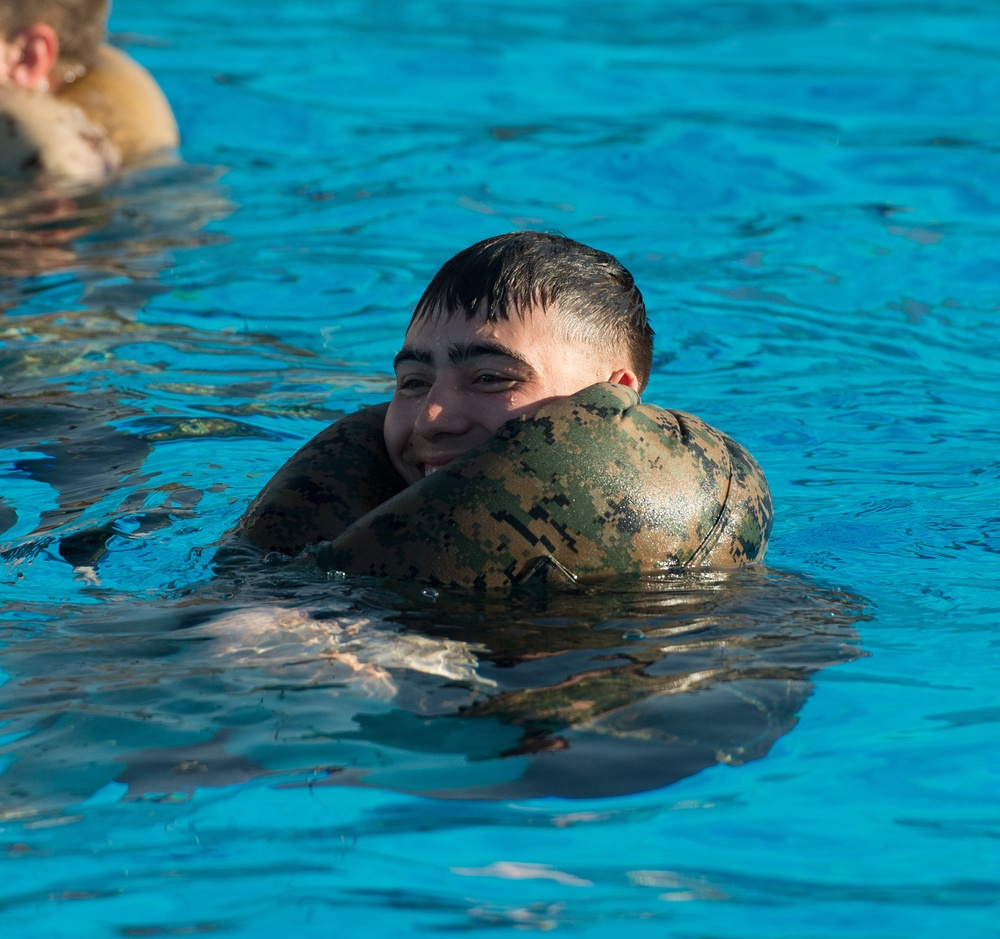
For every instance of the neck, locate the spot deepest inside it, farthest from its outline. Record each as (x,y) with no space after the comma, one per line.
(65,75)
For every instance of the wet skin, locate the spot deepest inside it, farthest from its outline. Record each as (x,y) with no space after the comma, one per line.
(458,380)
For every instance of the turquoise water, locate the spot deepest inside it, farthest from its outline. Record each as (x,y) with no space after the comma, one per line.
(807,196)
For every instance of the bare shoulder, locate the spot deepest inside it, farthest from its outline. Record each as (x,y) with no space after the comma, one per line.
(121,96)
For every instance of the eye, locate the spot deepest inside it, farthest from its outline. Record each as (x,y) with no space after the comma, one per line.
(494,381)
(411,384)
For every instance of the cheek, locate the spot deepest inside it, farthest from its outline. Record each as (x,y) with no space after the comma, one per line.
(492,418)
(493,412)
(396,428)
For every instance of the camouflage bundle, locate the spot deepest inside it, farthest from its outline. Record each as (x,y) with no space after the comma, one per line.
(592,485)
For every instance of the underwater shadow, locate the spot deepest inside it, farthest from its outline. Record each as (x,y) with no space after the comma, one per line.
(592,692)
(620,687)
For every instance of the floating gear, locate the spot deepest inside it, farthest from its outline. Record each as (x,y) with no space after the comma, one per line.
(593,485)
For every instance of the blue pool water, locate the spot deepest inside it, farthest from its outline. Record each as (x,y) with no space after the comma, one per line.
(807,195)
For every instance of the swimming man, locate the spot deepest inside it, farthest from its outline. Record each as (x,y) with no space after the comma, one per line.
(516,442)
(505,326)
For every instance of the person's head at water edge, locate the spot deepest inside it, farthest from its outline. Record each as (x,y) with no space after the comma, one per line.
(520,376)
(46,44)
(505,326)
(74,108)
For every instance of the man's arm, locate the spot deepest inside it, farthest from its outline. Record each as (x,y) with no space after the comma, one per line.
(338,476)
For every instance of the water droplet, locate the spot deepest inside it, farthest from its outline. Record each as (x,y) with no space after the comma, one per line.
(633,634)
(336,575)
(430,593)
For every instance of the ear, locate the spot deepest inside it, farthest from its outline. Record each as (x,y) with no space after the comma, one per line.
(34,51)
(624,376)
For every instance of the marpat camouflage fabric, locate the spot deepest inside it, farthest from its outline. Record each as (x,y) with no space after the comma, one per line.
(592,485)
(331,482)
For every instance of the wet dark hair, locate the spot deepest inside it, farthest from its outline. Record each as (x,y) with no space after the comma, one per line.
(589,290)
(81,25)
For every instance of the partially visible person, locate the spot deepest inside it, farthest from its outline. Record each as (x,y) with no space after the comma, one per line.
(516,445)
(504,327)
(71,106)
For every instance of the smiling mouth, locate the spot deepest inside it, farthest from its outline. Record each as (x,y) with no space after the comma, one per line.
(433,468)
(439,463)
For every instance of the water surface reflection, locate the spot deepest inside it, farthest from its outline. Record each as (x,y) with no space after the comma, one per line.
(590,692)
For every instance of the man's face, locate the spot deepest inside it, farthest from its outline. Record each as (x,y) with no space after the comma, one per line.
(458,380)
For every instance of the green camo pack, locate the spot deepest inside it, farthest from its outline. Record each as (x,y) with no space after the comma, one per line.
(592,485)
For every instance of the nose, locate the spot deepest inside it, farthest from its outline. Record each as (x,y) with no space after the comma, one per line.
(443,410)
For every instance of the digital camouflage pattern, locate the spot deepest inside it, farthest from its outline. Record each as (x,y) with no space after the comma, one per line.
(592,485)
(331,482)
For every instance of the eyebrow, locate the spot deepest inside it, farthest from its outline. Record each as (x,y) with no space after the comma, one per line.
(410,354)
(457,354)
